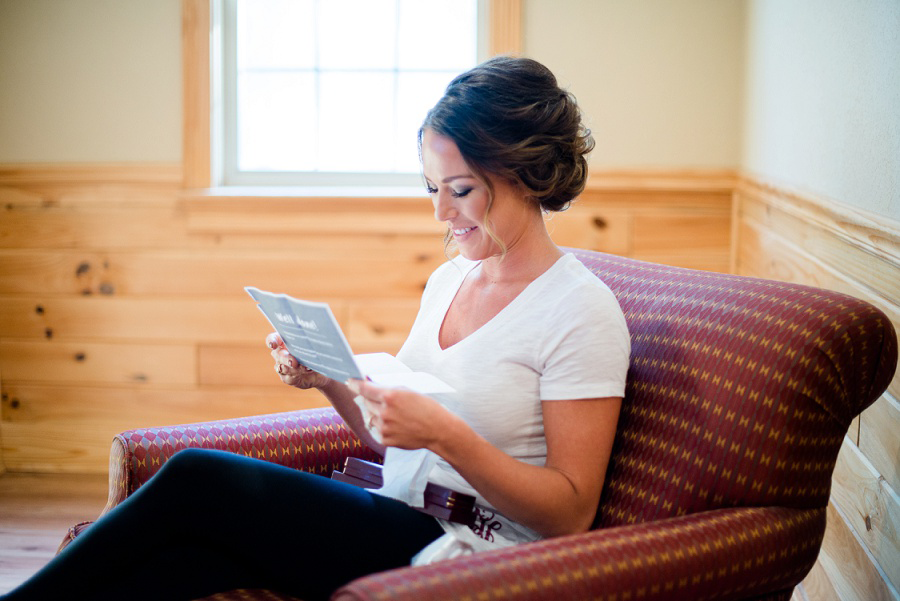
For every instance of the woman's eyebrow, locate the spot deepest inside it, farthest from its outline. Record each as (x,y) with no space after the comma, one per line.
(447,180)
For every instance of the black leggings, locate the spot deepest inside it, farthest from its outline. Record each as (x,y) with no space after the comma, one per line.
(212,521)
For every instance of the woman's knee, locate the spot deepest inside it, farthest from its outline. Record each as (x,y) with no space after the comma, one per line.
(194,468)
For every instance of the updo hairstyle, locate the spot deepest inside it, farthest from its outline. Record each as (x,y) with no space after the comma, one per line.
(509,118)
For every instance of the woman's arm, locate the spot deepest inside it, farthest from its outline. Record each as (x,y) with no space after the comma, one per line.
(293,373)
(560,497)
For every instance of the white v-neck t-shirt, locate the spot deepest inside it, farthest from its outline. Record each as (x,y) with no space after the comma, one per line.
(563,337)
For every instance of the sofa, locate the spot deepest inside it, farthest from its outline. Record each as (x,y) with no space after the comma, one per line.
(739,394)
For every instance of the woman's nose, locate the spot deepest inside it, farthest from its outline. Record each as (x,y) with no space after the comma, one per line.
(443,207)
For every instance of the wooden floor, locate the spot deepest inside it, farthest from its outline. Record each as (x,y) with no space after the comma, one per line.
(36,510)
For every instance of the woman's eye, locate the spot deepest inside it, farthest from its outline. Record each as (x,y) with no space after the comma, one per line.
(431,189)
(461,193)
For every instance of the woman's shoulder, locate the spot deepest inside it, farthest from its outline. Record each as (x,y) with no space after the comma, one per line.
(574,282)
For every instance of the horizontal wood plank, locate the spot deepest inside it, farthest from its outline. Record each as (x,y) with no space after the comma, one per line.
(236,365)
(817,585)
(93,174)
(323,218)
(879,439)
(58,361)
(665,233)
(689,199)
(855,260)
(380,325)
(878,234)
(69,429)
(120,227)
(129,319)
(128,226)
(220,274)
(871,506)
(849,568)
(592,228)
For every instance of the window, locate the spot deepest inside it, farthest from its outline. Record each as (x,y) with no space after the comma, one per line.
(332,92)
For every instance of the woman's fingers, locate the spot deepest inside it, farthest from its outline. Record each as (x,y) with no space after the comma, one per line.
(273,341)
(289,369)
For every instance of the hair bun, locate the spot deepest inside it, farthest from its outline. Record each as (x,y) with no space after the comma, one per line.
(510,118)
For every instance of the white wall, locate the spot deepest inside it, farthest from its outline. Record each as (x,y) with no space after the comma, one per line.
(823,99)
(660,81)
(90,80)
(99,80)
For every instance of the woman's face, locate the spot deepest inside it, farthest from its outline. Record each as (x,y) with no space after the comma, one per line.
(461,201)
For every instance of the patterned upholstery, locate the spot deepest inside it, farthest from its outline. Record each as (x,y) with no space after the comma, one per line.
(739,395)
(313,441)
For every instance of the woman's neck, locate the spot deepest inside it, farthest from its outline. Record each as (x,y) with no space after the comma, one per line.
(526,258)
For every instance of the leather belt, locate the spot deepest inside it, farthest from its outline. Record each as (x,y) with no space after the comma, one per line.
(440,501)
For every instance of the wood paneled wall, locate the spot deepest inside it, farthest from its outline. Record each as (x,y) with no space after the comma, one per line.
(122,302)
(780,234)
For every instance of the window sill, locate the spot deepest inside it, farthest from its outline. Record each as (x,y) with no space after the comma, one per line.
(261,209)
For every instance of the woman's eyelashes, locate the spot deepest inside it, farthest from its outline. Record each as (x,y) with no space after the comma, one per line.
(454,193)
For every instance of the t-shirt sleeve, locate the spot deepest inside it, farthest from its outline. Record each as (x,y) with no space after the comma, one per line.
(587,348)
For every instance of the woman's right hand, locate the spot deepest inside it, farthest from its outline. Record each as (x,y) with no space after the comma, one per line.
(290,370)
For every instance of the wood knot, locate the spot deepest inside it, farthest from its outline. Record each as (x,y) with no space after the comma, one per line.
(15,403)
(39,309)
(107,289)
(48,333)
(80,356)
(600,223)
(82,268)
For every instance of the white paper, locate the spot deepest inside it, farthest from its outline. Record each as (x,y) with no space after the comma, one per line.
(312,335)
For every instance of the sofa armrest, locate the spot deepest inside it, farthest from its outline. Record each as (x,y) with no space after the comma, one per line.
(312,440)
(732,553)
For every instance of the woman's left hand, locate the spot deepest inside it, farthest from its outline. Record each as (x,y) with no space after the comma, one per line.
(405,419)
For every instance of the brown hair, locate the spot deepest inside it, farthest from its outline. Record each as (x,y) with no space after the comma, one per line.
(509,118)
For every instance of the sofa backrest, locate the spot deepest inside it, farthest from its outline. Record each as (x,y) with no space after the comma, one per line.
(739,391)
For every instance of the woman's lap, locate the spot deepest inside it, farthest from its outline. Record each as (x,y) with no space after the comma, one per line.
(255,524)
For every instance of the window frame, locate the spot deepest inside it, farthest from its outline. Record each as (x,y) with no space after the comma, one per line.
(202,159)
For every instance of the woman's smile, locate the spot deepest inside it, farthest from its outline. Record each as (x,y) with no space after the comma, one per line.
(460,233)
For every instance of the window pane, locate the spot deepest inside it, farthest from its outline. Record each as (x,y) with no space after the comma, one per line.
(357,34)
(355,120)
(437,34)
(417,91)
(277,122)
(339,86)
(276,34)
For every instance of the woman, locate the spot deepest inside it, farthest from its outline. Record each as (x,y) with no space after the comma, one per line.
(533,344)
